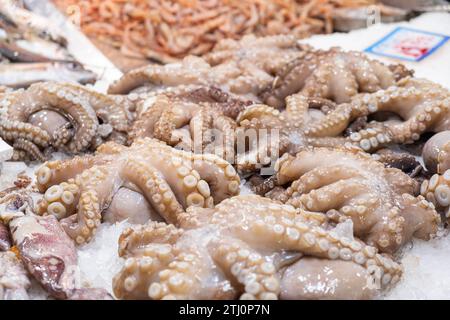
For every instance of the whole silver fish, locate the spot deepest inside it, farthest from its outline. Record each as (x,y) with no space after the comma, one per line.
(27,21)
(21,75)
(46,48)
(14,53)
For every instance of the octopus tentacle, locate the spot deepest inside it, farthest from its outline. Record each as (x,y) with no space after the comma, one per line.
(95,186)
(179,280)
(400,160)
(228,104)
(63,135)
(195,121)
(158,192)
(227,129)
(420,104)
(55,172)
(199,126)
(422,224)
(220,176)
(135,277)
(248,268)
(437,191)
(153,75)
(30,148)
(132,240)
(12,129)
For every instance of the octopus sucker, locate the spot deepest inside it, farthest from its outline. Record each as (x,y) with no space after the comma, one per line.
(331,74)
(437,191)
(78,190)
(232,248)
(349,184)
(421,106)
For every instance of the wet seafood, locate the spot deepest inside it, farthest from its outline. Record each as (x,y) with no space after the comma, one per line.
(26,21)
(164,30)
(79,189)
(349,184)
(406,111)
(21,75)
(249,247)
(60,116)
(33,50)
(46,251)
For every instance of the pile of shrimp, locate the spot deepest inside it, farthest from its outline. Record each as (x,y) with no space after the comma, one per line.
(166,30)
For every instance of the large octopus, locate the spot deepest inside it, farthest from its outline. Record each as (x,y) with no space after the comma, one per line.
(199,120)
(242,67)
(349,184)
(401,113)
(78,190)
(49,116)
(253,248)
(332,74)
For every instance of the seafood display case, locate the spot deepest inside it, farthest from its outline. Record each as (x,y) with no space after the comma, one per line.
(208,149)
